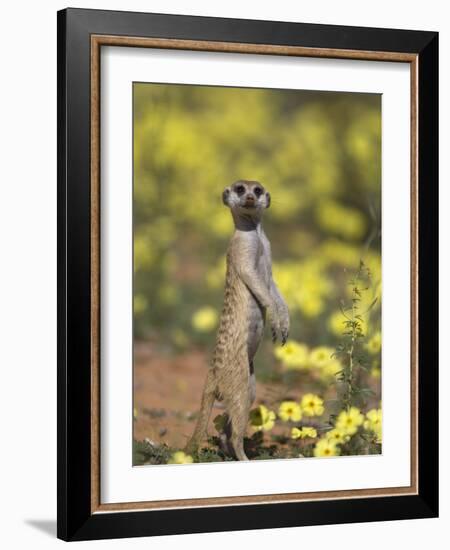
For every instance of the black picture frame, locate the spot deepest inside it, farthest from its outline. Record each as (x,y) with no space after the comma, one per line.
(75,518)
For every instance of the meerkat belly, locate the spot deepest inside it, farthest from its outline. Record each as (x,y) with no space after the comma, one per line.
(256,313)
(242,320)
(255,326)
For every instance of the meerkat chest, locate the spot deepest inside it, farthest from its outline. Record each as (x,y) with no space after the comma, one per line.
(264,260)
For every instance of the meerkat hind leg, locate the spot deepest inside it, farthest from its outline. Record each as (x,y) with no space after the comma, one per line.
(235,444)
(238,425)
(225,438)
(238,410)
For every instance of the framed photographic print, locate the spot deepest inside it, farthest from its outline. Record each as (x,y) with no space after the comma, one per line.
(247,254)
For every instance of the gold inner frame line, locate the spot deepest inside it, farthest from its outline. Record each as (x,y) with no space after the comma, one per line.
(97,41)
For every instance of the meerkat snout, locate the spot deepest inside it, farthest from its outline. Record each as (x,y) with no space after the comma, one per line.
(246,196)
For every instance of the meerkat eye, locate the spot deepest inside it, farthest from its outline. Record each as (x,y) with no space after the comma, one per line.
(240,189)
(257,191)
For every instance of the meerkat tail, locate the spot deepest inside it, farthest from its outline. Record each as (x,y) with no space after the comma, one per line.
(208,398)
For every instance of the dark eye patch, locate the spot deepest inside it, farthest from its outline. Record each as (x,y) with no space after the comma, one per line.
(258,191)
(240,189)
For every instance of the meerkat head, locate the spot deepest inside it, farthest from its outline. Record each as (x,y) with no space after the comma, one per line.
(246,197)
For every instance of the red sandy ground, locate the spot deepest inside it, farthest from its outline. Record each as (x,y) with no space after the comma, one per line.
(167,393)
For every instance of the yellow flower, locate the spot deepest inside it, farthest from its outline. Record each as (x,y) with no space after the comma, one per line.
(320,356)
(337,436)
(304,285)
(375,372)
(312,405)
(310,305)
(336,323)
(262,418)
(181,458)
(293,355)
(373,422)
(374,344)
(326,447)
(374,417)
(204,319)
(302,433)
(348,421)
(290,410)
(331,368)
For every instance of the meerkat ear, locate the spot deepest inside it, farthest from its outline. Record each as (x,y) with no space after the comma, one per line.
(267,199)
(225,196)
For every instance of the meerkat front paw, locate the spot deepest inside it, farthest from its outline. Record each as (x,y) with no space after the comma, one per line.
(274,330)
(284,324)
(280,326)
(284,331)
(275,324)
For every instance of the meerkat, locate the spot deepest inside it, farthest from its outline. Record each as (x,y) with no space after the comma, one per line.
(250,295)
